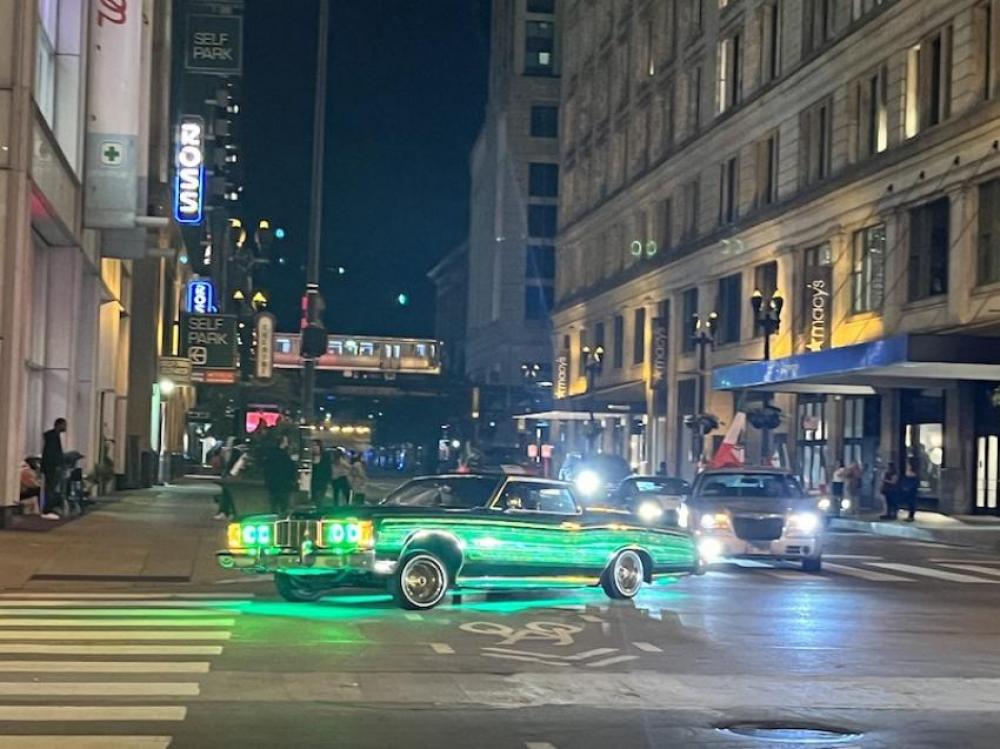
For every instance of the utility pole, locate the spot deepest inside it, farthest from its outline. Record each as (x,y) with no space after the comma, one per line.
(312,297)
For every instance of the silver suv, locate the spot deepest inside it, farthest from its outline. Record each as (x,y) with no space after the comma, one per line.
(756,513)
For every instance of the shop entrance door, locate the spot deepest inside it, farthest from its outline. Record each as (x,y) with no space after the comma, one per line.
(987,474)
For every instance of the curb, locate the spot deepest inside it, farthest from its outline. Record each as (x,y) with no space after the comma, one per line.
(884,529)
(987,539)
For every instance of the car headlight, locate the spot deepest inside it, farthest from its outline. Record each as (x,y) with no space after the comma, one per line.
(353,533)
(650,512)
(803,523)
(715,521)
(683,516)
(824,504)
(588,482)
(248,535)
(845,504)
(709,549)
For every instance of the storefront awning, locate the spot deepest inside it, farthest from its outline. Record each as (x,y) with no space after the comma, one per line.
(572,415)
(898,361)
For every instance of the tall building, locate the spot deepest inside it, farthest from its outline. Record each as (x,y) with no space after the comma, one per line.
(843,153)
(82,160)
(514,209)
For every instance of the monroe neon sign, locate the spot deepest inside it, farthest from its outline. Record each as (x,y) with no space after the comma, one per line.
(189,162)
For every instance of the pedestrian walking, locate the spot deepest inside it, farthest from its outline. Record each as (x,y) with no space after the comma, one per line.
(358,477)
(852,486)
(909,486)
(890,491)
(322,473)
(53,469)
(837,485)
(280,474)
(341,483)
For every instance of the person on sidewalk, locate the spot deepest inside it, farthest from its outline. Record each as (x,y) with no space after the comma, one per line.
(890,491)
(31,491)
(358,477)
(837,485)
(341,483)
(53,468)
(280,474)
(322,473)
(909,485)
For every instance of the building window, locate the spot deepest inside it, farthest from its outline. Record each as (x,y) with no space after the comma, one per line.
(543,180)
(730,307)
(541,262)
(542,6)
(766,189)
(689,320)
(860,8)
(538,302)
(45,64)
(542,221)
(599,339)
(544,121)
(765,279)
(819,23)
(691,195)
(769,22)
(815,131)
(868,269)
(871,104)
(728,191)
(928,82)
(618,352)
(928,267)
(693,111)
(812,428)
(730,72)
(988,51)
(639,336)
(539,54)
(989,232)
(696,17)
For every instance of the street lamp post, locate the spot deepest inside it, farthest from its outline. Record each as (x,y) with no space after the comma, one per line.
(704,339)
(593,359)
(767,319)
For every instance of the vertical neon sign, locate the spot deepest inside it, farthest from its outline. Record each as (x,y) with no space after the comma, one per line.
(189,163)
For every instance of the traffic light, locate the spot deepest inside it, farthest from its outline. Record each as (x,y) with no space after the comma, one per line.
(264,239)
(313,341)
(227,173)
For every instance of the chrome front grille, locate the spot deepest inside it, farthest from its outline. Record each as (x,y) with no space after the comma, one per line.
(758,528)
(291,533)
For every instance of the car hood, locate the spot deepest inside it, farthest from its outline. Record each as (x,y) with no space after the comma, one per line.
(754,506)
(374,512)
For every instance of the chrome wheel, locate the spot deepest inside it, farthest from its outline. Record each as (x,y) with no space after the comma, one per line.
(423,581)
(624,577)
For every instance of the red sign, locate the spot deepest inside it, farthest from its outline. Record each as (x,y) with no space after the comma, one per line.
(255,419)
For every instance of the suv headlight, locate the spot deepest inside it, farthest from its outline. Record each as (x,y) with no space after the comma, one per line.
(588,482)
(803,523)
(715,521)
(650,511)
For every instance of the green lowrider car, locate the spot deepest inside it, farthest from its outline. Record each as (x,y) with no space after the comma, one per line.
(464,532)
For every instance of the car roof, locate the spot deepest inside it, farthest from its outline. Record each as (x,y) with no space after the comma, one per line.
(649,477)
(763,470)
(494,476)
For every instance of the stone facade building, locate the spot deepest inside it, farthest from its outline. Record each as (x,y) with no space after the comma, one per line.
(844,153)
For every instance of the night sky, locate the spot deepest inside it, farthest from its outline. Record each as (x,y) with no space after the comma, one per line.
(407,91)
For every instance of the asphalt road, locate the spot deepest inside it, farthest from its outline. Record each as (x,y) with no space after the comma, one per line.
(896,644)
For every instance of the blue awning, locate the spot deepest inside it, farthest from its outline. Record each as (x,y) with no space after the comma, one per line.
(897,361)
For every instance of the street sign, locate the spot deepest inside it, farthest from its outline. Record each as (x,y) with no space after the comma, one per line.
(214,44)
(177,369)
(201,297)
(209,341)
(189,168)
(265,325)
(561,389)
(661,343)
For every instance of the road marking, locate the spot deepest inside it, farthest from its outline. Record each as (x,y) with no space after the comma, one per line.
(198,611)
(752,564)
(413,617)
(442,649)
(592,619)
(106,667)
(851,556)
(42,648)
(130,596)
(525,658)
(85,742)
(188,607)
(255,579)
(965,561)
(796,576)
(100,688)
(74,713)
(953,577)
(612,661)
(870,575)
(976,568)
(539,745)
(14,622)
(64,635)
(648,647)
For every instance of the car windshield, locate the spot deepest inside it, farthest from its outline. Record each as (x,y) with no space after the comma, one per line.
(461,493)
(657,485)
(749,485)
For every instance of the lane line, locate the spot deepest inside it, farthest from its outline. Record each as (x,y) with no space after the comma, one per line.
(442,649)
(131,611)
(525,658)
(74,713)
(869,575)
(912,569)
(413,617)
(851,556)
(647,647)
(69,635)
(100,688)
(964,561)
(796,576)
(85,742)
(41,648)
(54,596)
(539,745)
(592,619)
(612,661)
(106,667)
(590,654)
(66,622)
(976,568)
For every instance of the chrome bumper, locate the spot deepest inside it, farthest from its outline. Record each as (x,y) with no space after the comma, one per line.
(248,560)
(717,547)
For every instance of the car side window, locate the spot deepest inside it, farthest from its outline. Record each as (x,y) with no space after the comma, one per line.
(524,497)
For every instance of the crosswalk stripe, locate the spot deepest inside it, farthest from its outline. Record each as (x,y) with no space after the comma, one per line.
(85,742)
(66,622)
(936,560)
(131,596)
(976,568)
(796,576)
(870,575)
(68,635)
(912,569)
(612,661)
(45,648)
(442,649)
(106,667)
(76,713)
(58,612)
(539,745)
(67,604)
(100,688)
(647,647)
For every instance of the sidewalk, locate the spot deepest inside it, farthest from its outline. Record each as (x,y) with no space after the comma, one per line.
(160,535)
(976,531)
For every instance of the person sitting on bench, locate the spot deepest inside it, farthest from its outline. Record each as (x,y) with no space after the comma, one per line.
(31,489)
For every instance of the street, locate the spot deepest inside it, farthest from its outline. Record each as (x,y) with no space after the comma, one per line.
(894,644)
